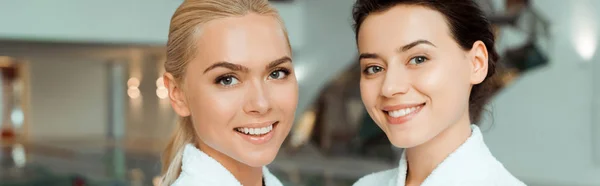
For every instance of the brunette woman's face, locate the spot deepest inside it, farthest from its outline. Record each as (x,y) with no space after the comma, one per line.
(416,79)
(240,90)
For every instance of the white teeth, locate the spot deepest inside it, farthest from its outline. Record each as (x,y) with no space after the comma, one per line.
(255,131)
(402,112)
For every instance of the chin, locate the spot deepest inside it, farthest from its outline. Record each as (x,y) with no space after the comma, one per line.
(407,139)
(258,159)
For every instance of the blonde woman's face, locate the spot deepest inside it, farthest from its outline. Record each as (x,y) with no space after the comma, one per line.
(240,90)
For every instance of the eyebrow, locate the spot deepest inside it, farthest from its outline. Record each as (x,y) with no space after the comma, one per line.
(228,65)
(368,56)
(279,61)
(237,67)
(413,44)
(401,49)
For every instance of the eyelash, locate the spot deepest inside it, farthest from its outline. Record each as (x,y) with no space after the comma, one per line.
(285,71)
(425,59)
(221,78)
(366,70)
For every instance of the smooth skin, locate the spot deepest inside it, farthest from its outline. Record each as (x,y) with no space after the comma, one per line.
(242,76)
(409,57)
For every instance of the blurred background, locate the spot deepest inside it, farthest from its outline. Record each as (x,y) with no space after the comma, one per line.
(80,103)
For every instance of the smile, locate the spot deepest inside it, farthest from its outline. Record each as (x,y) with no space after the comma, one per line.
(402,113)
(255,131)
(257,134)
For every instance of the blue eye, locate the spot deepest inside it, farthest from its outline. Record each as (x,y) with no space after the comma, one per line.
(279,74)
(228,81)
(417,60)
(373,69)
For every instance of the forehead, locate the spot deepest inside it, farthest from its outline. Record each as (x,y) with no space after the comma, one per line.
(401,25)
(244,40)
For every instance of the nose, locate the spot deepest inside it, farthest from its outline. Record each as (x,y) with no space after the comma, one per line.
(258,100)
(396,82)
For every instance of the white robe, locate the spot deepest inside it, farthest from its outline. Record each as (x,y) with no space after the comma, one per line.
(200,169)
(471,164)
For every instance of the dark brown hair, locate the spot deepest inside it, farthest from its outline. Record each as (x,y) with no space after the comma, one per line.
(467,24)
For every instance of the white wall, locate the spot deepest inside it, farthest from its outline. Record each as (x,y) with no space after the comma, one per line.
(107,21)
(68,98)
(70,95)
(68,88)
(148,117)
(543,129)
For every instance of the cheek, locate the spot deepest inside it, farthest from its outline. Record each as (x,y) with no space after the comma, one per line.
(369,91)
(434,79)
(442,77)
(284,96)
(213,109)
(446,84)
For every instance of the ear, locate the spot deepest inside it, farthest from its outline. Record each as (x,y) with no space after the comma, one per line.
(479,62)
(176,95)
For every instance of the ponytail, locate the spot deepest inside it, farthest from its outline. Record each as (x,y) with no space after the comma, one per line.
(181,49)
(173,154)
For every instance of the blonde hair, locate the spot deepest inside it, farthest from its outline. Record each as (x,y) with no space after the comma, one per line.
(181,46)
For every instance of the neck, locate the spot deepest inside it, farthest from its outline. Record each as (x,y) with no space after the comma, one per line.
(245,174)
(423,159)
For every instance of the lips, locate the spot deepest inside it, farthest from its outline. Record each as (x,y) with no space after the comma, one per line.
(257,133)
(402,113)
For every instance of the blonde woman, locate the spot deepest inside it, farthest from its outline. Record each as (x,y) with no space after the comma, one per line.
(230,78)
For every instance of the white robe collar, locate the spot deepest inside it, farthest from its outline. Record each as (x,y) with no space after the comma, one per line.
(200,169)
(473,149)
(472,164)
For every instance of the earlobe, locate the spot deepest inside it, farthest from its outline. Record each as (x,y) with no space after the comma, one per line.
(479,62)
(176,95)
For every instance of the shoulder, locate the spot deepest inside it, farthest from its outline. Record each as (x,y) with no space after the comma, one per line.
(501,176)
(482,166)
(270,179)
(485,173)
(473,164)
(379,178)
(493,172)
(492,181)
